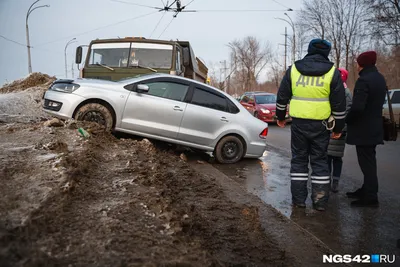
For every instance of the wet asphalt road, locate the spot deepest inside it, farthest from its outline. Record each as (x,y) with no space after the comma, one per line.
(345,230)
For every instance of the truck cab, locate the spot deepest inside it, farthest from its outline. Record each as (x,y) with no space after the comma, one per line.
(116,59)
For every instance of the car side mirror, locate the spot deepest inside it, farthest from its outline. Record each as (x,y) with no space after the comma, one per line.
(78,55)
(142,88)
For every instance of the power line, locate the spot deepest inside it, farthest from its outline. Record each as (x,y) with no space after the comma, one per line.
(158,23)
(12,41)
(280,4)
(135,4)
(238,10)
(166,27)
(189,3)
(99,28)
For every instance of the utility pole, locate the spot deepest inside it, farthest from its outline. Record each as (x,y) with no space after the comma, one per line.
(293,37)
(285,45)
(28,44)
(65,55)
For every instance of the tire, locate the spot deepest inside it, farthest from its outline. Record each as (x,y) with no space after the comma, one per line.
(225,145)
(97,113)
(256,114)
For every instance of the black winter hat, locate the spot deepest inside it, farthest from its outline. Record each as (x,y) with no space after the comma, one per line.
(319,46)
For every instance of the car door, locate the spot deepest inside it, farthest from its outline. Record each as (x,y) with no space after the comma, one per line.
(396,105)
(159,111)
(206,115)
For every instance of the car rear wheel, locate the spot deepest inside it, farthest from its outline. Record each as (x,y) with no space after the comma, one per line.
(256,114)
(229,149)
(96,113)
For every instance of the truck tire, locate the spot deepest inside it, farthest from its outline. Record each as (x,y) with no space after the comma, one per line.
(229,150)
(97,113)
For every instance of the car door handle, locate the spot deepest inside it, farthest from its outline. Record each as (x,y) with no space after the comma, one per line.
(224,119)
(178,108)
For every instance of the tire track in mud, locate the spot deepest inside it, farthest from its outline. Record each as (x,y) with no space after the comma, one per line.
(128,203)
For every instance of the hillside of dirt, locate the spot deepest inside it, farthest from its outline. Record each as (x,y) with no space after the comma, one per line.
(35,79)
(103,201)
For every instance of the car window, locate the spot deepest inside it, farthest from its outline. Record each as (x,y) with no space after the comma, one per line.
(209,100)
(396,97)
(265,99)
(169,90)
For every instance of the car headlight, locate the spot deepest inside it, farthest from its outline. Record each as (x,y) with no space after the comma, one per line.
(64,87)
(266,111)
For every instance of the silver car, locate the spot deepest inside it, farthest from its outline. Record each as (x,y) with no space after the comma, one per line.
(163,107)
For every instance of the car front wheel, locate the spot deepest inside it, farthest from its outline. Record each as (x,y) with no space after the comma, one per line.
(229,149)
(97,113)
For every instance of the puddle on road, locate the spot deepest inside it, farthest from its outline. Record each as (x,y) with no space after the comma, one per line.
(344,229)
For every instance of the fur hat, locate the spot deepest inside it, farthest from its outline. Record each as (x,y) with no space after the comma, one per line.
(367,59)
(319,46)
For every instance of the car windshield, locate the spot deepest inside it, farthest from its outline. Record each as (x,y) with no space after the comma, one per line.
(265,99)
(124,55)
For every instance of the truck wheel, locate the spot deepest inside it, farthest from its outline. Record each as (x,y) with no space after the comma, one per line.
(97,113)
(229,149)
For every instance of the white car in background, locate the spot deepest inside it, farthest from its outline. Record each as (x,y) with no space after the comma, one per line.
(395,98)
(164,107)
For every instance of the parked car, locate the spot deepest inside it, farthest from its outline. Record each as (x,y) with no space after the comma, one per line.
(262,106)
(163,107)
(395,98)
(249,93)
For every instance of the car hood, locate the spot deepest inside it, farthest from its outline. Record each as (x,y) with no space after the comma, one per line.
(96,83)
(268,106)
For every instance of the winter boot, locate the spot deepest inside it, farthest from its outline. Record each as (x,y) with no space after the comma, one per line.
(367,203)
(335,186)
(356,194)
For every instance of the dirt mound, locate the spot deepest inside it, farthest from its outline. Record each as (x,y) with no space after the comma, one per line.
(124,202)
(35,79)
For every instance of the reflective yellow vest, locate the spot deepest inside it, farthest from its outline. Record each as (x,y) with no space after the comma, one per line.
(310,95)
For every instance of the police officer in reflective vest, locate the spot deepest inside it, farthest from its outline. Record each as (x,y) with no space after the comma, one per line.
(316,93)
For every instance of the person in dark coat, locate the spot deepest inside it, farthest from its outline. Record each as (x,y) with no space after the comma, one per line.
(365,126)
(337,146)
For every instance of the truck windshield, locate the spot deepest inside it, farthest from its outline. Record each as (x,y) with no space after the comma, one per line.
(124,55)
(265,99)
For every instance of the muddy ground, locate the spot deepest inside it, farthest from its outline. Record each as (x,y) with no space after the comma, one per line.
(104,201)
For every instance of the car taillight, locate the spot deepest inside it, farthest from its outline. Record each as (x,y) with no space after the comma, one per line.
(264,133)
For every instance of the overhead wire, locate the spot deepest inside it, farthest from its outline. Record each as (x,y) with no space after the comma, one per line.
(158,23)
(12,41)
(134,4)
(280,4)
(166,27)
(235,10)
(99,28)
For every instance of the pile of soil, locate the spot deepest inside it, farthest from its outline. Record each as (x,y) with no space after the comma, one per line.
(35,79)
(105,201)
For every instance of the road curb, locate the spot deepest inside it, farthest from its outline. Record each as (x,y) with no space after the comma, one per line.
(290,236)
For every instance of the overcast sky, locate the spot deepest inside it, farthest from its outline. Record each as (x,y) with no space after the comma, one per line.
(51,28)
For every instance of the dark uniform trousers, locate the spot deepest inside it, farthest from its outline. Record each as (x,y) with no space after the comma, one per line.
(367,160)
(309,143)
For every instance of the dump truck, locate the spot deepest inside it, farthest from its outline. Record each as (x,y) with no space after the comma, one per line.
(116,59)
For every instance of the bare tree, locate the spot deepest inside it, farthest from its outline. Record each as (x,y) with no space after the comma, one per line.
(342,22)
(385,21)
(250,58)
